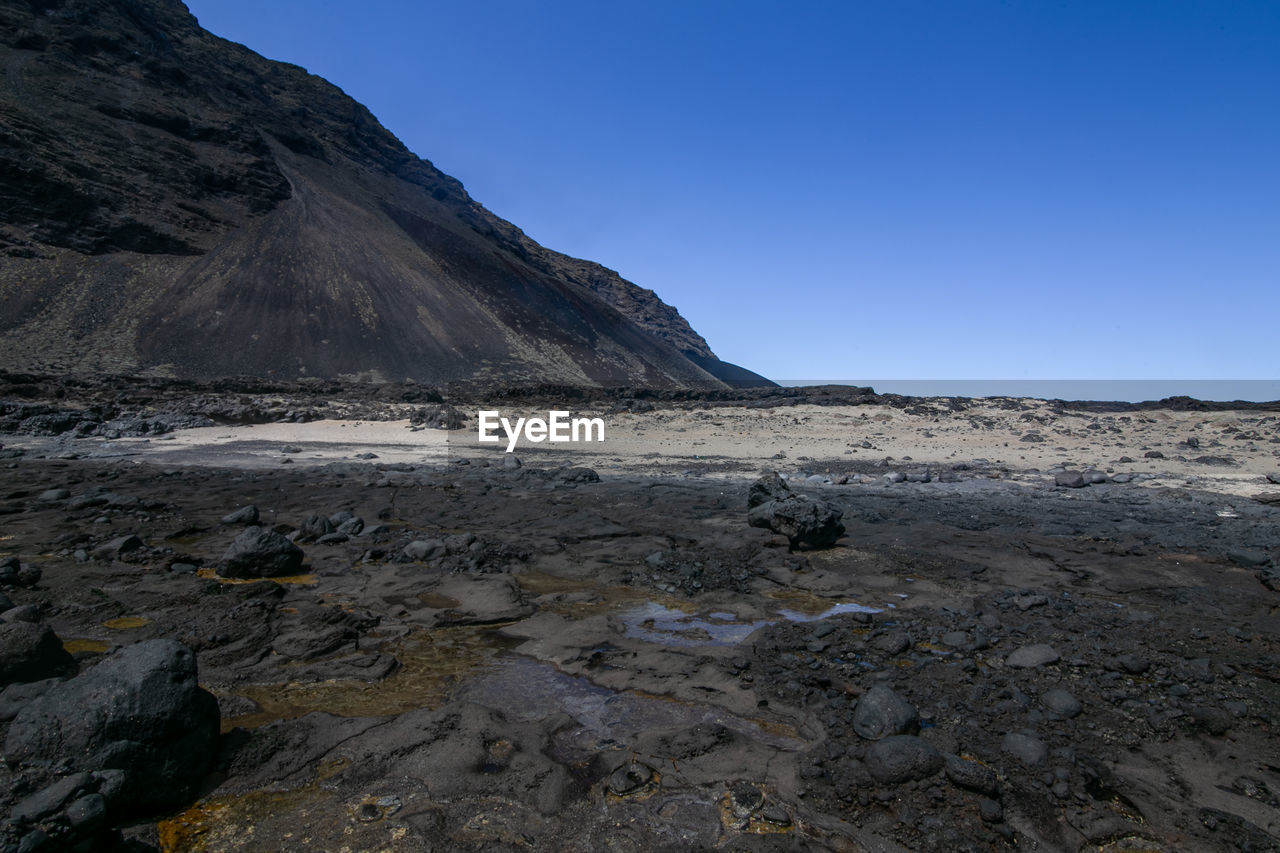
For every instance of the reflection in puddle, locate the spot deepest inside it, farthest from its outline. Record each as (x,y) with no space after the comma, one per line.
(658,624)
(834,610)
(525,690)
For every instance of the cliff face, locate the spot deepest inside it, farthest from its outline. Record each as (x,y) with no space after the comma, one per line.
(171,202)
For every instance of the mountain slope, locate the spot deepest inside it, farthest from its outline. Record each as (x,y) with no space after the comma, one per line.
(173,203)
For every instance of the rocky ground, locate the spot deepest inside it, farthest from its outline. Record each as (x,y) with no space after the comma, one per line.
(497,656)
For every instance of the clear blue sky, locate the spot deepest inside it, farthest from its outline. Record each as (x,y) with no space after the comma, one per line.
(891,189)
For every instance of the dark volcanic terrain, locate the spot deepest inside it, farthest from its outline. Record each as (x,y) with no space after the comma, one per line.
(495,656)
(262,588)
(173,203)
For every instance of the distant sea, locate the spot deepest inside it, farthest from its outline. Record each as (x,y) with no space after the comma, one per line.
(1123,390)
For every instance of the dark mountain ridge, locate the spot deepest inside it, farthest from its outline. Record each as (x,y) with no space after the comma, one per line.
(173,204)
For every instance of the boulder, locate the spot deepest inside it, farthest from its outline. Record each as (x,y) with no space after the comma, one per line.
(316,526)
(972,774)
(15,573)
(902,758)
(117,547)
(260,553)
(1070,479)
(442,416)
(31,652)
(1030,657)
(770,487)
(421,550)
(1061,704)
(244,515)
(140,712)
(881,712)
(803,521)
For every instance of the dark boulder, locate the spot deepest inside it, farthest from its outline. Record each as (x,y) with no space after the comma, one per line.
(902,758)
(30,652)
(15,573)
(577,475)
(260,553)
(315,526)
(443,416)
(770,487)
(972,774)
(803,521)
(140,712)
(118,547)
(1070,479)
(244,515)
(881,712)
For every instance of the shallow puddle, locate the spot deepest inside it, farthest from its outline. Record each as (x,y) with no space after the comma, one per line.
(834,610)
(804,606)
(127,623)
(656,623)
(80,645)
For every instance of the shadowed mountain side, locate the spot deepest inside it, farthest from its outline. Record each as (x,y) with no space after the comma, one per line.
(173,203)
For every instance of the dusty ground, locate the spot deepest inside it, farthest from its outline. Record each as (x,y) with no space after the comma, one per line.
(626,665)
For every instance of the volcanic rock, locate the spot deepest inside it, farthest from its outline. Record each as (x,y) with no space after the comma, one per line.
(260,553)
(244,515)
(30,652)
(140,711)
(881,712)
(802,520)
(902,758)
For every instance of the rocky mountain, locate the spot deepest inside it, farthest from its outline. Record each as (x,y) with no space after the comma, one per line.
(172,203)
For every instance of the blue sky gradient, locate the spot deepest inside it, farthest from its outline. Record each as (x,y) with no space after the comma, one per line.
(929,190)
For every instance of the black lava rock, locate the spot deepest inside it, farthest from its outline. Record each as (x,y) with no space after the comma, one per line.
(141,712)
(260,553)
(803,521)
(31,652)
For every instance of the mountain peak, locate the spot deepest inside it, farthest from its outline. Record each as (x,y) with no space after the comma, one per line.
(174,203)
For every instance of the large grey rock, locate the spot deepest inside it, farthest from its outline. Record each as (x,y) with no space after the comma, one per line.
(803,521)
(902,758)
(424,549)
(16,573)
(1070,479)
(315,526)
(972,774)
(1026,747)
(1029,657)
(31,652)
(769,487)
(19,695)
(1061,703)
(260,553)
(141,712)
(244,515)
(118,547)
(881,712)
